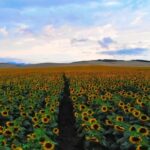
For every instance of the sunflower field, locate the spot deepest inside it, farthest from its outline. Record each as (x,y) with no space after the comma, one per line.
(111,107)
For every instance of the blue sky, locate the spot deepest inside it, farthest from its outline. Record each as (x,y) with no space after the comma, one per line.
(35,31)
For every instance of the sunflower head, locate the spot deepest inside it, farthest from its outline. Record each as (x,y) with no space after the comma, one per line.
(132,128)
(7,133)
(45,120)
(4,113)
(104,109)
(119,118)
(95,126)
(143,117)
(47,145)
(136,113)
(119,128)
(56,131)
(143,130)
(108,122)
(135,139)
(141,147)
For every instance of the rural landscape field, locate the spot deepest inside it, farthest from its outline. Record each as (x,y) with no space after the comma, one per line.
(91,108)
(74,74)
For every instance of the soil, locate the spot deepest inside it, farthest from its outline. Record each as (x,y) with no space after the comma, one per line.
(68,139)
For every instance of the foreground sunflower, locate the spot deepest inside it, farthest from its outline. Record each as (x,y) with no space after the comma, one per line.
(141,147)
(95,126)
(119,128)
(47,145)
(135,139)
(144,131)
(56,131)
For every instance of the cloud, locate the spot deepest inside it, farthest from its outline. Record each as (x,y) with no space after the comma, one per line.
(130,51)
(3,31)
(106,42)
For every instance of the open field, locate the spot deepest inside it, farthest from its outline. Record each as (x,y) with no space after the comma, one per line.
(75,108)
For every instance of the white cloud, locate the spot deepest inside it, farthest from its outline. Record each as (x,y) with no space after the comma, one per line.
(55,44)
(3,31)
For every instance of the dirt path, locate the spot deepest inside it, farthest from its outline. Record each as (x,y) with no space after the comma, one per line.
(68,139)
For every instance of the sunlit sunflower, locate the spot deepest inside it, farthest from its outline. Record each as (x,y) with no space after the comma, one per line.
(82,107)
(141,147)
(119,128)
(132,128)
(13,146)
(136,113)
(104,109)
(56,131)
(85,118)
(92,120)
(84,113)
(108,122)
(42,140)
(7,133)
(92,139)
(143,130)
(121,104)
(95,126)
(143,117)
(47,145)
(45,120)
(18,148)
(90,112)
(34,119)
(135,139)
(4,113)
(1,130)
(119,118)
(9,124)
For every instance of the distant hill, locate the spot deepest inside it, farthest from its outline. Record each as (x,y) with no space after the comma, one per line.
(105,62)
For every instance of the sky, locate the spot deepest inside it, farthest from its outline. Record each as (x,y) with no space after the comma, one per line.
(37,31)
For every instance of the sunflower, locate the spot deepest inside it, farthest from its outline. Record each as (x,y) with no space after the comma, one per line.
(56,131)
(90,112)
(121,104)
(82,107)
(108,122)
(131,109)
(47,145)
(143,117)
(1,130)
(9,124)
(138,101)
(119,128)
(135,139)
(119,118)
(42,140)
(92,120)
(95,126)
(104,109)
(143,130)
(18,148)
(45,120)
(92,139)
(34,119)
(3,143)
(85,118)
(7,133)
(13,146)
(36,126)
(136,113)
(141,147)
(4,113)
(132,128)
(84,113)
(15,129)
